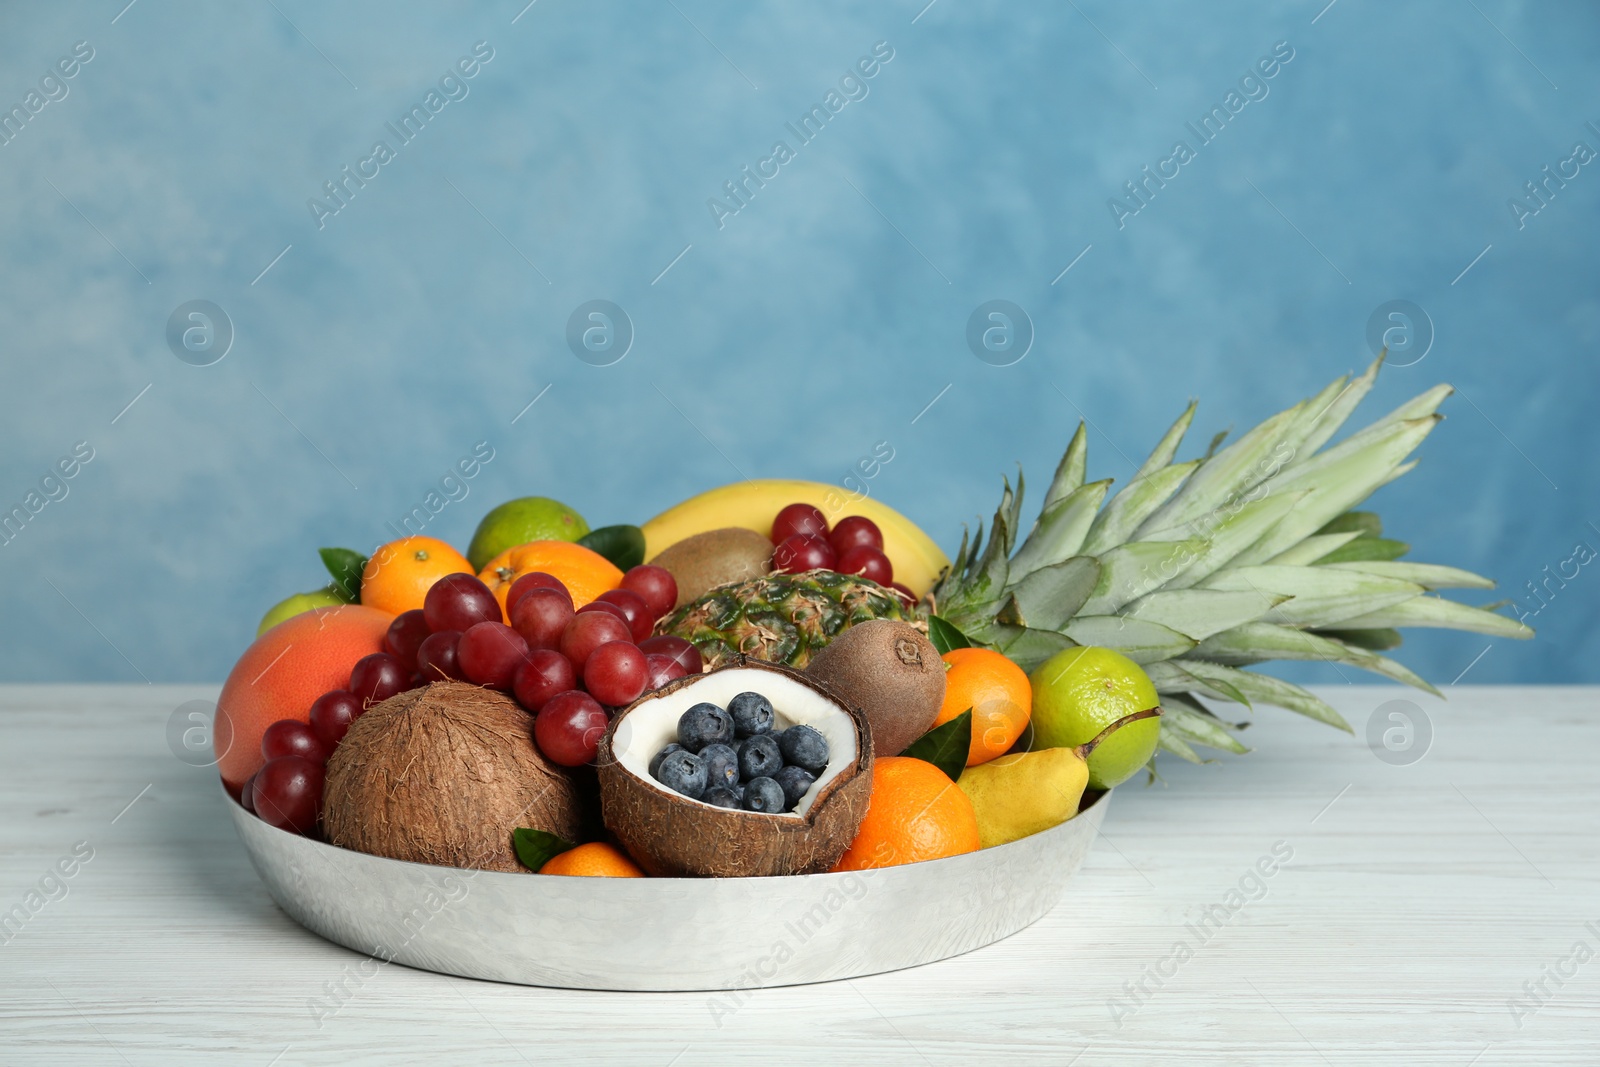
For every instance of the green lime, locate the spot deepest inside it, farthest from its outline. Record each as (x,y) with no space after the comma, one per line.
(516,522)
(1080,691)
(622,545)
(289,607)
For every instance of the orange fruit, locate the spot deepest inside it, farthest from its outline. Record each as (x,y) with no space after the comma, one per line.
(997,691)
(280,675)
(399,574)
(594,860)
(585,572)
(915,814)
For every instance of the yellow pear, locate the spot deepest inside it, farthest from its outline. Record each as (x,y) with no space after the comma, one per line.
(1027,792)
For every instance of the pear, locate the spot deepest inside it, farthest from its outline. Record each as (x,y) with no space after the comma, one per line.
(1027,792)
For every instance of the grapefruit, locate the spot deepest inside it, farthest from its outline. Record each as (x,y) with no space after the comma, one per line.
(282,673)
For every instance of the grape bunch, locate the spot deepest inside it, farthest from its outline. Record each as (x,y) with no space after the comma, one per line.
(567,666)
(804,542)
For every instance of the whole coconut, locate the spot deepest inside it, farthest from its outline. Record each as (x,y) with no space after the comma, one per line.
(892,673)
(443,775)
(717,557)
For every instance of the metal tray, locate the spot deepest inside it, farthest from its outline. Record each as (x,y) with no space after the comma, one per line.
(666,933)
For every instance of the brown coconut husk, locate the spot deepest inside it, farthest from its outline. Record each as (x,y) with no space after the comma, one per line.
(672,836)
(443,775)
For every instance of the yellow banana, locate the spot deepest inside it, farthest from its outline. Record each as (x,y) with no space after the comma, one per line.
(754,504)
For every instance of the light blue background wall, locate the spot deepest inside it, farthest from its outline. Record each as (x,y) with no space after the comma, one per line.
(823,318)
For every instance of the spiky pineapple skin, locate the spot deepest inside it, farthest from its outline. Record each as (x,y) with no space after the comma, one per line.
(781,618)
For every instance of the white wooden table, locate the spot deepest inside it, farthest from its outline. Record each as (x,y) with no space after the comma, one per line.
(1420,908)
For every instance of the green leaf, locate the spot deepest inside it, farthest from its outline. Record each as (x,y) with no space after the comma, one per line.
(1444,614)
(1167,447)
(1311,549)
(1257,641)
(1169,677)
(1050,596)
(623,545)
(345,565)
(1427,575)
(1192,722)
(1260,453)
(1169,740)
(535,848)
(1367,548)
(1265,689)
(1133,505)
(1129,571)
(1229,530)
(944,636)
(1373,639)
(1028,648)
(1329,419)
(1199,613)
(1140,641)
(1069,472)
(1060,531)
(947,746)
(1360,523)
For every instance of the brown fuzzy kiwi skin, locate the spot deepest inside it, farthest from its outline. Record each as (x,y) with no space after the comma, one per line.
(443,775)
(673,836)
(717,557)
(892,672)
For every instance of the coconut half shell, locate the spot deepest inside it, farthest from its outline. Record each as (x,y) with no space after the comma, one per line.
(669,834)
(443,775)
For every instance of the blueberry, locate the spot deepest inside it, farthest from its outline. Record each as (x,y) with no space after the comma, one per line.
(752,714)
(655,761)
(702,725)
(804,747)
(683,772)
(722,797)
(795,782)
(722,765)
(763,794)
(759,758)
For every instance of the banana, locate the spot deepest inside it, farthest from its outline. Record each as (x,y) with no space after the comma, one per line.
(754,504)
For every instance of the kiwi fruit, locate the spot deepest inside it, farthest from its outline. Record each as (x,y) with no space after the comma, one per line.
(443,775)
(891,672)
(717,557)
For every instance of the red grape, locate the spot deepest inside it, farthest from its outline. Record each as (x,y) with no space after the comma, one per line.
(541,676)
(540,616)
(684,652)
(408,630)
(663,669)
(533,580)
(291,737)
(802,553)
(437,660)
(287,793)
(614,610)
(656,584)
(634,610)
(489,653)
(332,713)
(801,519)
(247,795)
(867,562)
(458,601)
(378,677)
(907,597)
(855,531)
(587,631)
(569,727)
(616,673)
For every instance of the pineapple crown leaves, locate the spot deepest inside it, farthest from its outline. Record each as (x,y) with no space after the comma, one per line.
(1198,569)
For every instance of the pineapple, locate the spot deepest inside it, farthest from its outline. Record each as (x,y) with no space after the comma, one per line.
(783,618)
(1195,570)
(1198,569)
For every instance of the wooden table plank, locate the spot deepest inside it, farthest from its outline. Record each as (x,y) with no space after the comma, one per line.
(1415,903)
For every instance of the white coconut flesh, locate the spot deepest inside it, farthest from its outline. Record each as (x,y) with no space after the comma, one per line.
(653,724)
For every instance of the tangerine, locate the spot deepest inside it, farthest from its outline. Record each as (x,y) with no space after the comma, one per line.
(283,673)
(915,813)
(594,860)
(585,572)
(399,574)
(997,691)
